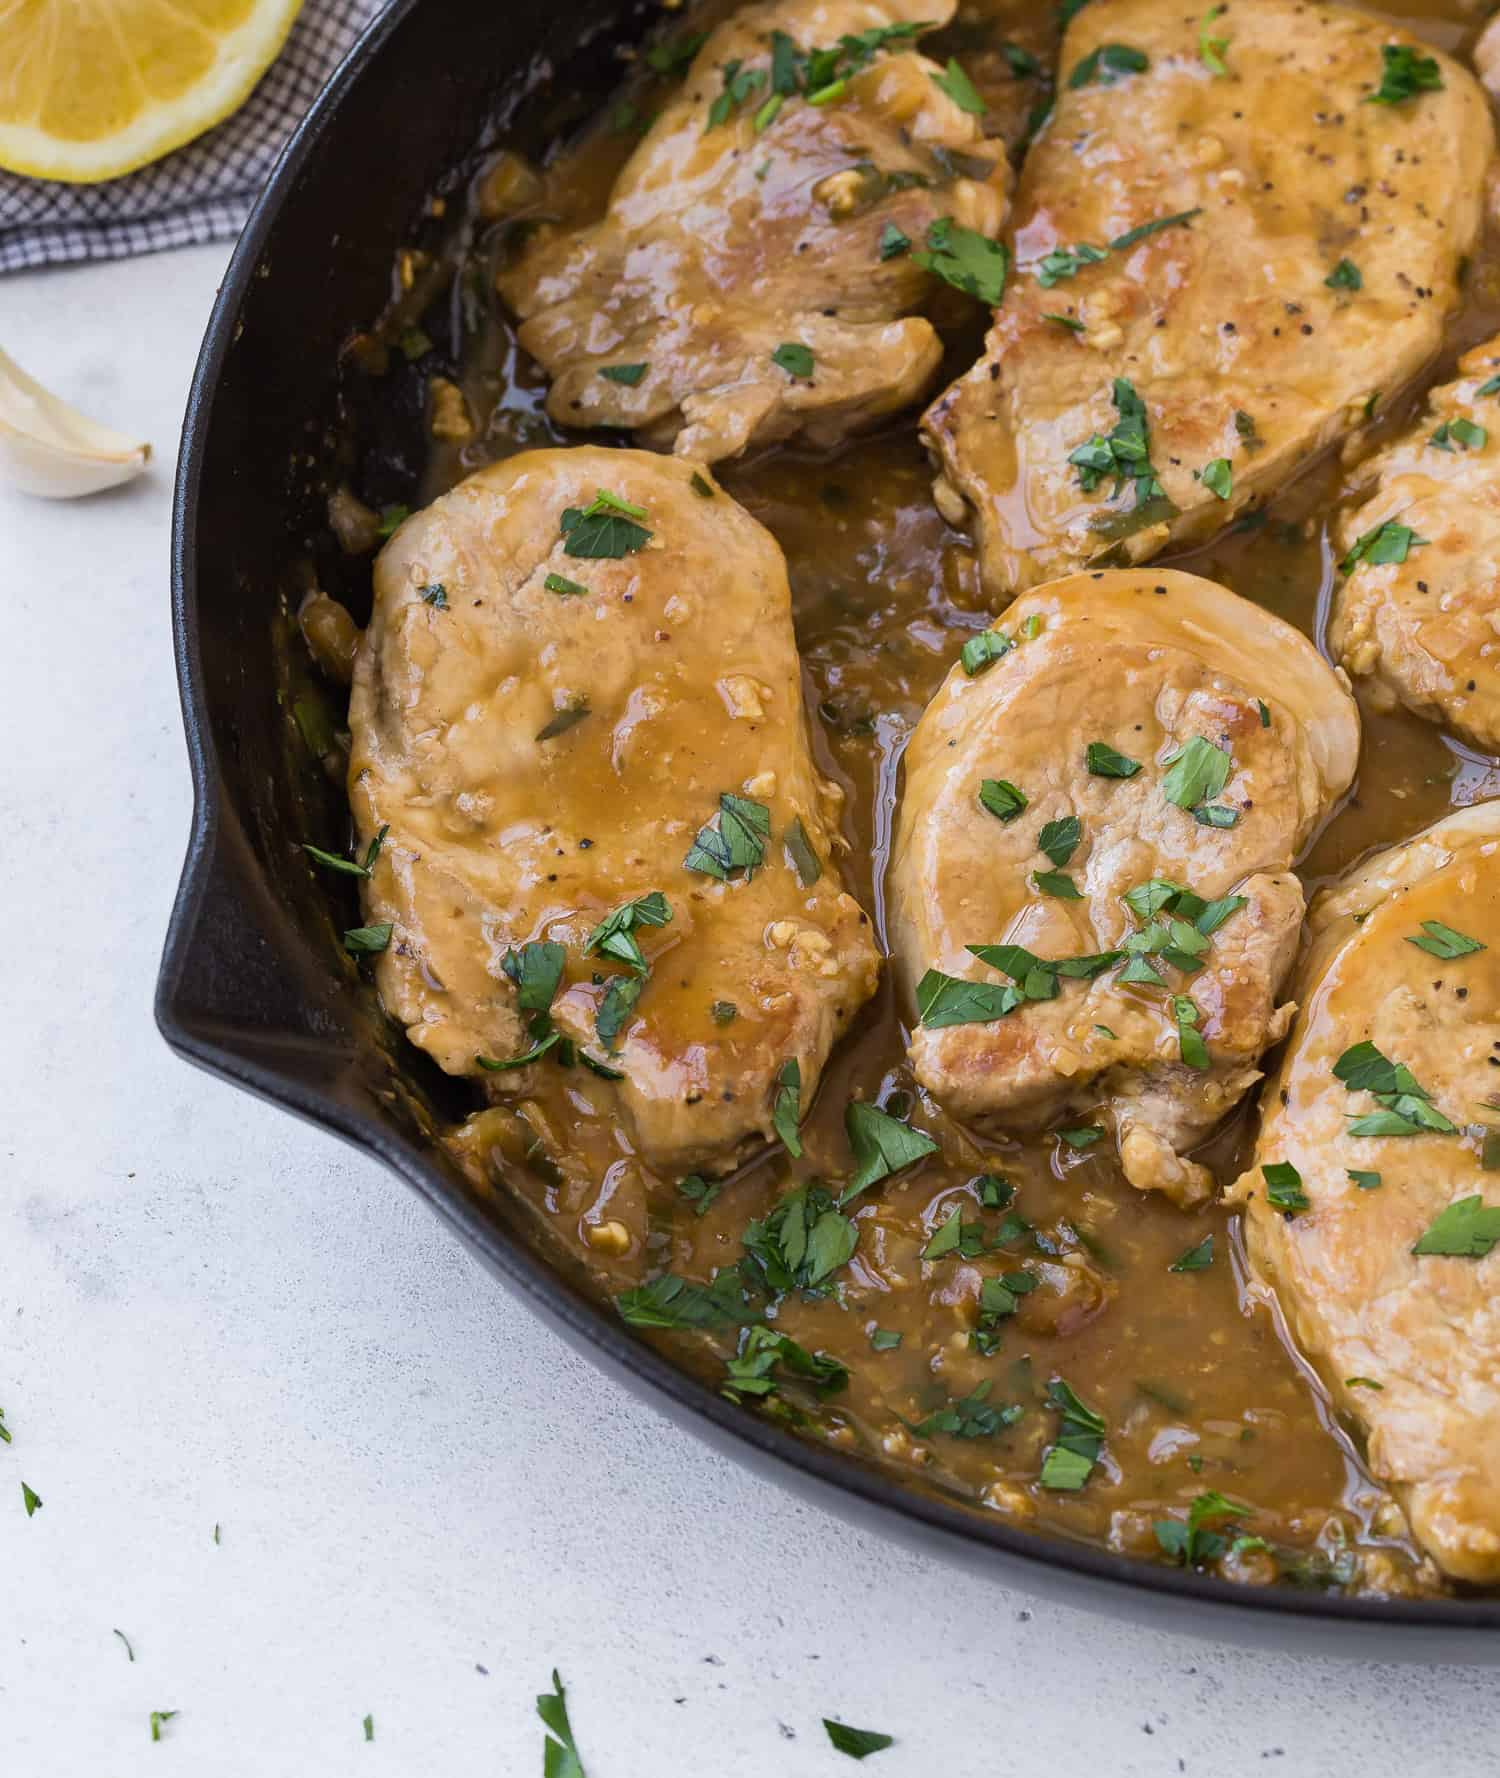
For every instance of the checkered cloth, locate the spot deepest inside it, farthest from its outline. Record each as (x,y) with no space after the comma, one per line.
(203,191)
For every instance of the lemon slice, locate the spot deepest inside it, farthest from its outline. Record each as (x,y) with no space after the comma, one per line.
(90,89)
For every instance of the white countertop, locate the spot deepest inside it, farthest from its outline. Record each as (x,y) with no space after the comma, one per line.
(212,1314)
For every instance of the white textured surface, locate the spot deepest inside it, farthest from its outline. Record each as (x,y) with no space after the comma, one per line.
(210,1313)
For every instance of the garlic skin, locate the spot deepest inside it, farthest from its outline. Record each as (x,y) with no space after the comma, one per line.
(49,448)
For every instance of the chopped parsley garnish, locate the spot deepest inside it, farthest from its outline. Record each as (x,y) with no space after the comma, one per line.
(944,1000)
(857,1743)
(739,83)
(1085,1136)
(1124,454)
(1211,49)
(1284,1186)
(560,1757)
(559,583)
(627,374)
(605,529)
(391,519)
(786,1107)
(616,1007)
(1057,884)
(701,486)
(350,867)
(1346,275)
(1390,542)
(1407,1108)
(1215,815)
(957,85)
(569,716)
(1442,941)
(795,359)
(769,112)
(534,1054)
(1491,386)
(1103,762)
(1066,262)
(1468,1229)
(984,650)
(673,57)
(1189,1039)
(1071,322)
(368,940)
(1059,839)
(1068,1463)
(805,861)
(414,343)
(1403,74)
(1362,1383)
(614,936)
(435,594)
(970,1416)
(893,243)
(1265,712)
(723,1012)
(670,1301)
(800,1241)
(698,1191)
(1197,772)
(1196,1259)
(1464,433)
(762,1349)
(1218,477)
(1193,1543)
(1363,1179)
(884,1339)
(1154,227)
(882,1145)
(1107,64)
(738,843)
(1002,798)
(967,260)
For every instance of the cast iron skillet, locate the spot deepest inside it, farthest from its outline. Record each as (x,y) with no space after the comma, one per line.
(253,985)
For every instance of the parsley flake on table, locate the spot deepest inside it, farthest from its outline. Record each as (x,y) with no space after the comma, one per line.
(30,1499)
(605,529)
(881,1144)
(967,260)
(368,1724)
(857,1743)
(1468,1229)
(1404,74)
(560,1751)
(159,1719)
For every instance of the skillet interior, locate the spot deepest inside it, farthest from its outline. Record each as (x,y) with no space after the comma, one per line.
(252,985)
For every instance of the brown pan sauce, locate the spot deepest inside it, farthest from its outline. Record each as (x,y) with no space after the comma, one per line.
(1195,1384)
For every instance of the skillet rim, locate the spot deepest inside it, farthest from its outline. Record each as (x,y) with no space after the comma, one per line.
(1084,1576)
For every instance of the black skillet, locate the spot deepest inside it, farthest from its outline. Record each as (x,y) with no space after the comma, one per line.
(253,985)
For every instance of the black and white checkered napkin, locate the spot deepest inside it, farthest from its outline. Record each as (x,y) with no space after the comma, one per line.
(203,191)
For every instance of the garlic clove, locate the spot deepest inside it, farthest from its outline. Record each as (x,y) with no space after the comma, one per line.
(49,448)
